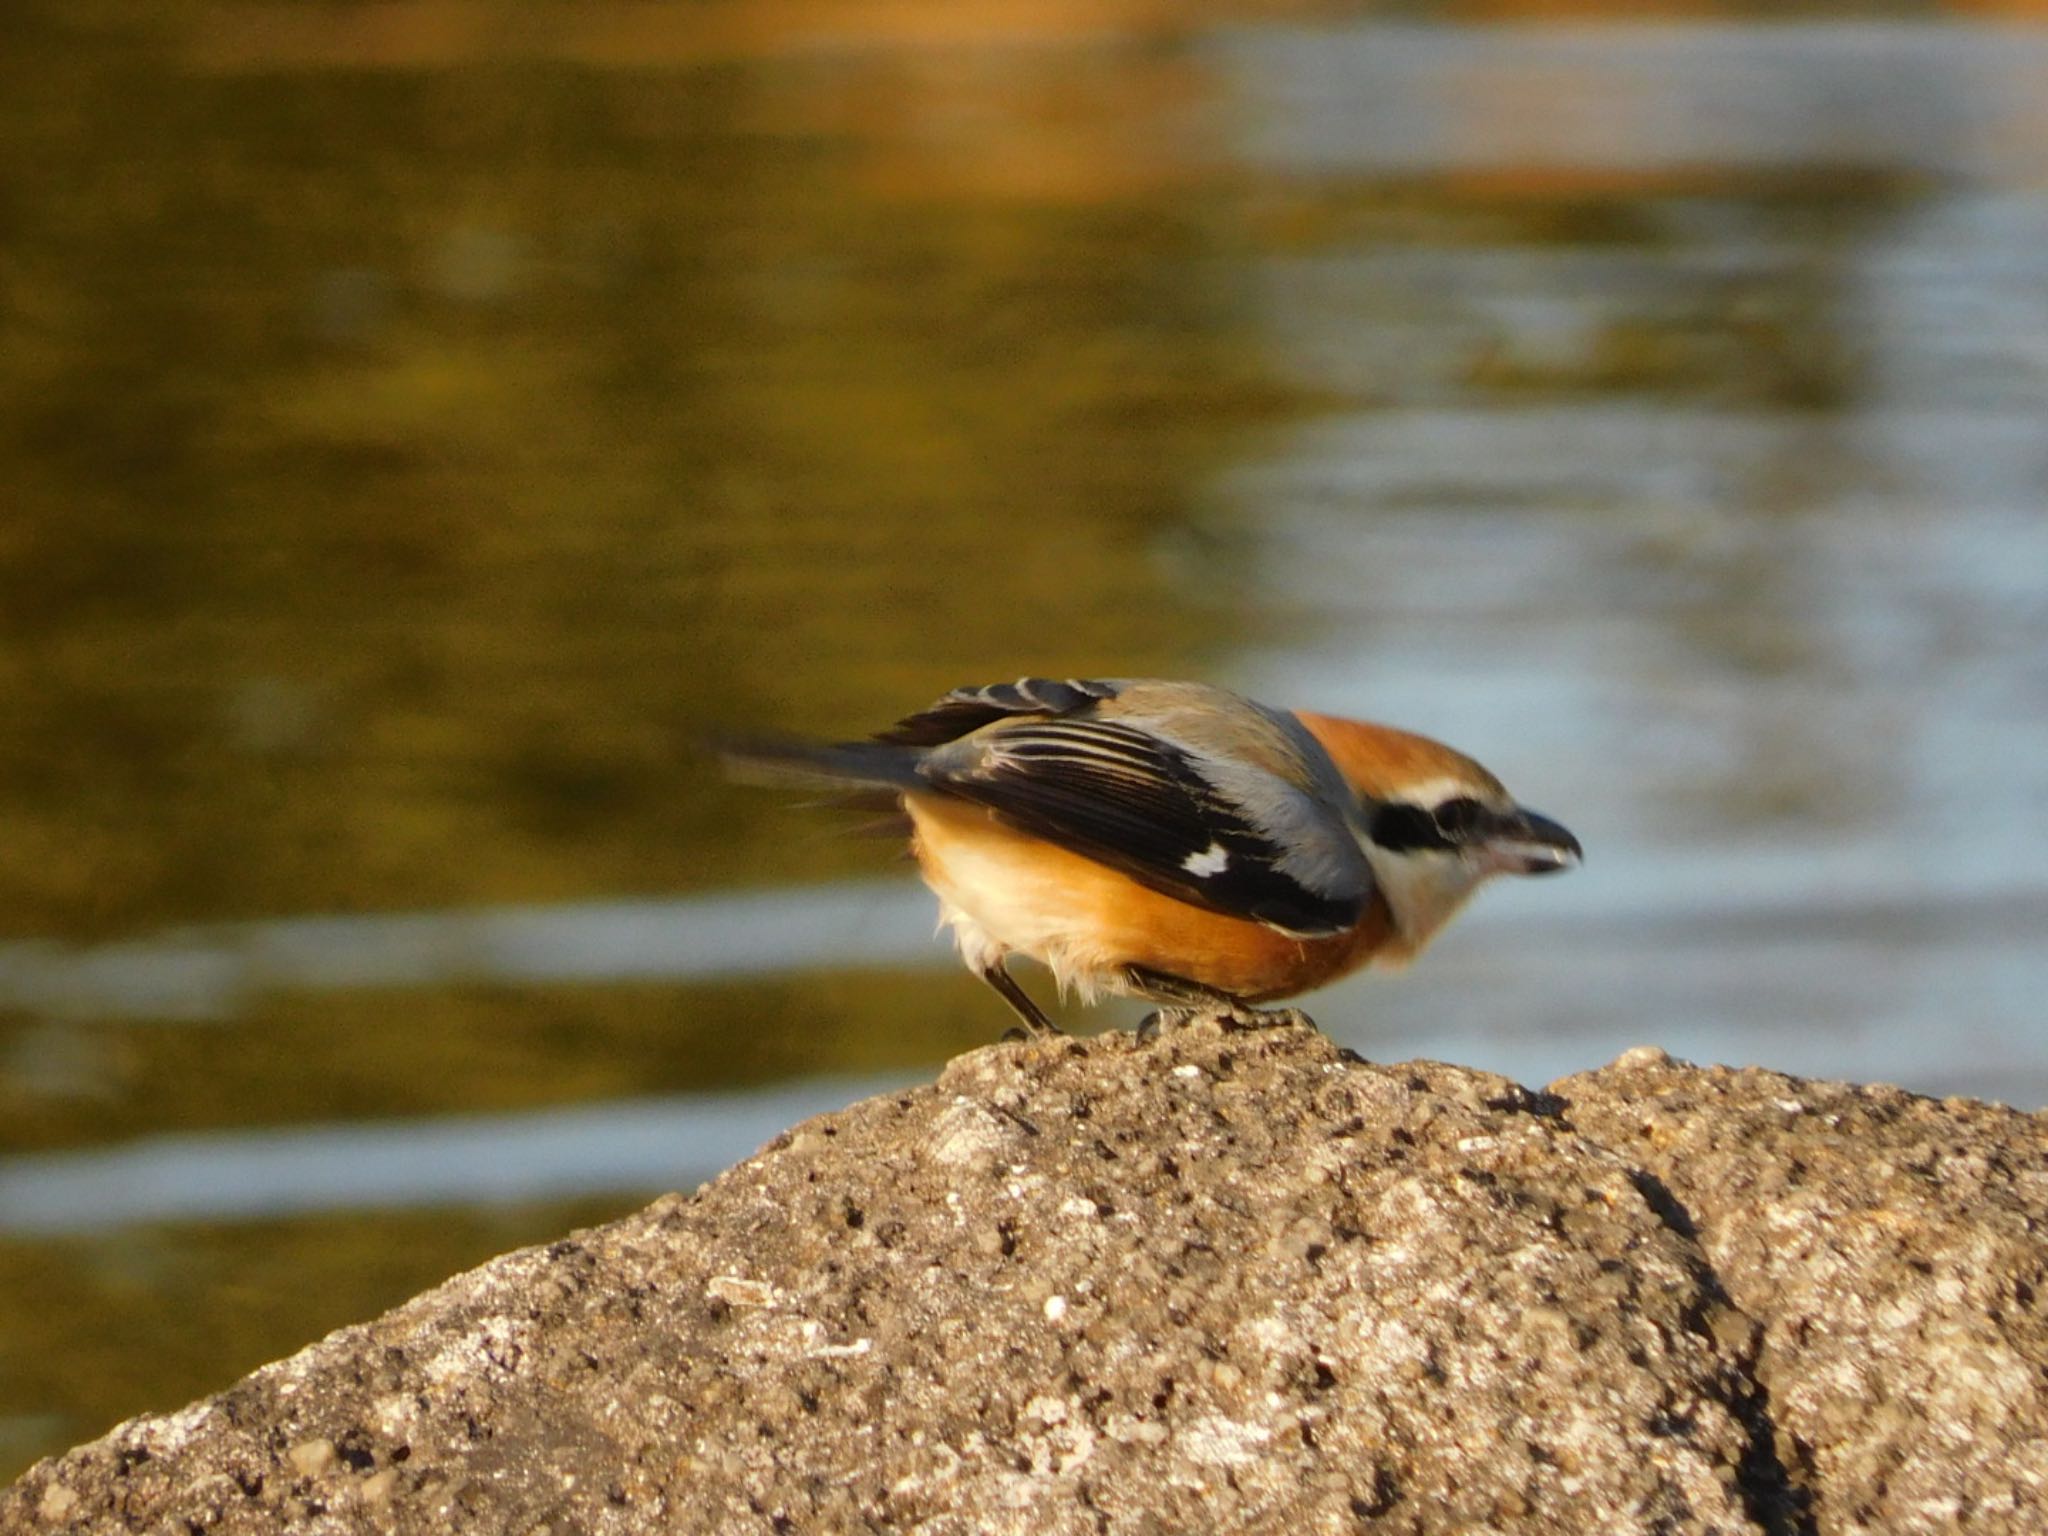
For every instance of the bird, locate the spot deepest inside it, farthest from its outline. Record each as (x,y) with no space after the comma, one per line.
(1175,841)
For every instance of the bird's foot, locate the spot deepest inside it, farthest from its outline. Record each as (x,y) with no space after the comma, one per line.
(1266,1018)
(1225,1016)
(1018,1032)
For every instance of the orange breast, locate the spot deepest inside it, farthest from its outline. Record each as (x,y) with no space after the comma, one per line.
(1089,922)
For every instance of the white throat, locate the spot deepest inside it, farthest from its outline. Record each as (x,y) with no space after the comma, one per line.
(1424,890)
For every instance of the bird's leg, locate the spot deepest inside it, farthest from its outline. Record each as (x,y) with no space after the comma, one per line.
(1035,1021)
(1186,1000)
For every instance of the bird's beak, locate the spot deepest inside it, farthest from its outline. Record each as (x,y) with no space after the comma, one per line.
(1524,843)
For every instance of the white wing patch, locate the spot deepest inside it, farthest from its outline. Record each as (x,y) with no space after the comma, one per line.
(1212,860)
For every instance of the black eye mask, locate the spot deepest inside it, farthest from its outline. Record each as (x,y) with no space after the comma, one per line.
(1403,828)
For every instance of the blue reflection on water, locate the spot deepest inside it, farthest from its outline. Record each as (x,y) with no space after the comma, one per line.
(634,1145)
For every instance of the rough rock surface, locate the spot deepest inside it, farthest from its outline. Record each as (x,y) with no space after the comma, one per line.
(1213,1282)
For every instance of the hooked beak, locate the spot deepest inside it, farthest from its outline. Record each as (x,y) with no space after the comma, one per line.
(1525,843)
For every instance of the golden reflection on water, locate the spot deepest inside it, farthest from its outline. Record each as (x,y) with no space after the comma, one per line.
(412,468)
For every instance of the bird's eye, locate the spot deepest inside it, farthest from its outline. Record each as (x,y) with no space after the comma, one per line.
(1456,818)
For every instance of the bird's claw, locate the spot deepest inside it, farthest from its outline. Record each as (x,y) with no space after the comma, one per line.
(1160,1020)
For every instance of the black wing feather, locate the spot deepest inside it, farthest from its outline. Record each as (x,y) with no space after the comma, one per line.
(1124,797)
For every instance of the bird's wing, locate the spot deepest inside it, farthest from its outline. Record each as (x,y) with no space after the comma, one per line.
(1142,803)
(969,709)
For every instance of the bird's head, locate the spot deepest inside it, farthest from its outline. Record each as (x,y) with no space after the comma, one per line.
(1434,824)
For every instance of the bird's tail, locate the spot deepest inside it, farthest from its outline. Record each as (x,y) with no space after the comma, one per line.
(845,767)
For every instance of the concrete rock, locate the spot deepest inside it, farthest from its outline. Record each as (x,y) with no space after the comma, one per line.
(1213,1282)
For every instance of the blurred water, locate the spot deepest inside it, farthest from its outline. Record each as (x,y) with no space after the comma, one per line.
(228,970)
(1922,94)
(1654,411)
(1782,661)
